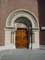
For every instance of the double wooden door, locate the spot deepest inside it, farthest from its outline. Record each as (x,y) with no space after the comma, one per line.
(22,38)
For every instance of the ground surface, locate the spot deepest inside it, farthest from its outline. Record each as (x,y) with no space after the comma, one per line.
(22,54)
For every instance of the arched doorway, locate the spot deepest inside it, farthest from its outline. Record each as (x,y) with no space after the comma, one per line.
(23,32)
(21,19)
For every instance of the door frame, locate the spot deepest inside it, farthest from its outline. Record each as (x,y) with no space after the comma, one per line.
(10,26)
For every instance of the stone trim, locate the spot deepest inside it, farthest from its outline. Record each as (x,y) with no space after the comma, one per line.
(10,23)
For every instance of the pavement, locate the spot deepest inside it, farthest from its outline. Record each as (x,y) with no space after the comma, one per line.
(22,54)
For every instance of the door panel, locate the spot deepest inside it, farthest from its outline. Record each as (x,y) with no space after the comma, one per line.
(22,38)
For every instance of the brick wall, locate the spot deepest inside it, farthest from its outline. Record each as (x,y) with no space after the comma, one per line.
(7,6)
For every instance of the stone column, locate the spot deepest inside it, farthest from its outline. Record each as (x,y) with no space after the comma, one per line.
(7,37)
(36,38)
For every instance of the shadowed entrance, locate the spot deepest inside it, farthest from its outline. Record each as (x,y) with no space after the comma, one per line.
(18,19)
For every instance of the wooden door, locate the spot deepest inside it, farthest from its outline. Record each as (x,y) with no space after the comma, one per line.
(22,38)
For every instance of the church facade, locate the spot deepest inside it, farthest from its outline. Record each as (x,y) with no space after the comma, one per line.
(22,24)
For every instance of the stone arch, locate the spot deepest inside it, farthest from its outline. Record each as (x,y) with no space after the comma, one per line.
(19,13)
(10,26)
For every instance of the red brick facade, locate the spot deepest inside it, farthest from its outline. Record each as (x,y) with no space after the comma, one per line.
(7,6)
